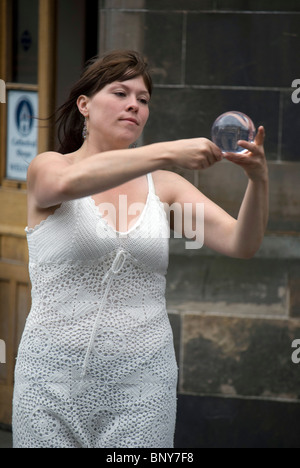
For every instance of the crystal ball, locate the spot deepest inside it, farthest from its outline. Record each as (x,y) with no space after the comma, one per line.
(231,127)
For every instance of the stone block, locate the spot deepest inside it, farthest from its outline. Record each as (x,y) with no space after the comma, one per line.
(289,145)
(294,291)
(121,30)
(189,112)
(219,284)
(158,5)
(258,5)
(157,35)
(180,5)
(195,5)
(163,46)
(233,356)
(210,422)
(284,192)
(243,50)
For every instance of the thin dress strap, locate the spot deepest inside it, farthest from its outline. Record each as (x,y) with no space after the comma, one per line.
(151,183)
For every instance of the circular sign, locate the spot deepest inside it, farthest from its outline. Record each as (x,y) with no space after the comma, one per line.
(24,116)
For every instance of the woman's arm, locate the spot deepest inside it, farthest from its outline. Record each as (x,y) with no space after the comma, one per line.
(253,215)
(239,237)
(54,178)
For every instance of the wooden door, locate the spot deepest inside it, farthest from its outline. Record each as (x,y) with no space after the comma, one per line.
(27,65)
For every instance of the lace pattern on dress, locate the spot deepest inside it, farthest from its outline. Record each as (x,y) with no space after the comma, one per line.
(96,364)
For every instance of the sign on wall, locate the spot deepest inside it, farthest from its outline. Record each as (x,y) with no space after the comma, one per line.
(22,132)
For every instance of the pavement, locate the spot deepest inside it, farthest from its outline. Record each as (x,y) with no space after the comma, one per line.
(5,439)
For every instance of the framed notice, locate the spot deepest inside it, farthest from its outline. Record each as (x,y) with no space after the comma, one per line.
(22,132)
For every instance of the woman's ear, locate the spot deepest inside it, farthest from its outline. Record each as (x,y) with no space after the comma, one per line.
(83,105)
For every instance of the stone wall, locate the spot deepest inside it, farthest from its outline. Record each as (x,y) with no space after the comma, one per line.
(234,321)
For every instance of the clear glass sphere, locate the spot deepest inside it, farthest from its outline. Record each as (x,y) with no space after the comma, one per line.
(231,127)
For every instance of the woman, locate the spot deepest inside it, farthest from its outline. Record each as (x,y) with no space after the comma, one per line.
(96,364)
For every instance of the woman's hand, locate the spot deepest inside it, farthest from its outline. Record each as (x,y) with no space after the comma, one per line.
(253,161)
(194,153)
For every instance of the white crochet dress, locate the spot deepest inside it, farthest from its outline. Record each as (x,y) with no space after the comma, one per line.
(96,364)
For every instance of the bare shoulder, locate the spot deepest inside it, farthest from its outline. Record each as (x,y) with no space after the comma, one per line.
(43,161)
(168,184)
(165,177)
(47,158)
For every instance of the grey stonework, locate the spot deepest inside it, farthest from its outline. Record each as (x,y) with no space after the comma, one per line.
(234,321)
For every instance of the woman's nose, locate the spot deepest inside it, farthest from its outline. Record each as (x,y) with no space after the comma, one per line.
(133,105)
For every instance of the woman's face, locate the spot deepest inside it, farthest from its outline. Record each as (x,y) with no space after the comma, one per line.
(118,113)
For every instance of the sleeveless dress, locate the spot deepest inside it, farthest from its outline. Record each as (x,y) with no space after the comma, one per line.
(96,365)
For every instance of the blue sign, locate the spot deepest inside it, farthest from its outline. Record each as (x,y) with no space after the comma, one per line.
(22,132)
(24,117)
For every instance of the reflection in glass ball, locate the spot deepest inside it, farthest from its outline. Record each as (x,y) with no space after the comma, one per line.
(231,127)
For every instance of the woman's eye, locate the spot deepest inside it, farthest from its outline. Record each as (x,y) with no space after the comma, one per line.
(122,94)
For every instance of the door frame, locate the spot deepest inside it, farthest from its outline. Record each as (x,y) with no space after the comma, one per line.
(14,276)
(46,86)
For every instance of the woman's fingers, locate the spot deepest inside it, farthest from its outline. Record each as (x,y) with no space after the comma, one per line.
(260,136)
(251,147)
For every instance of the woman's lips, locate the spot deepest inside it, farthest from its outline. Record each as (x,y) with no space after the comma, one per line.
(131,119)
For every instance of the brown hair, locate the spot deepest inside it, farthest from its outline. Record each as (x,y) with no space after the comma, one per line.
(119,65)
